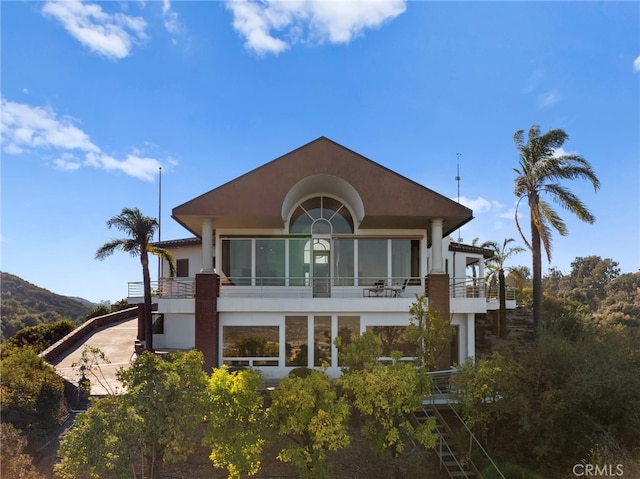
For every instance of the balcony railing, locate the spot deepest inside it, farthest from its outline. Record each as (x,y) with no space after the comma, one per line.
(493,293)
(321,287)
(165,288)
(466,287)
(307,287)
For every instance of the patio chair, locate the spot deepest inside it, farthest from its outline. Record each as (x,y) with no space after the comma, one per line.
(398,291)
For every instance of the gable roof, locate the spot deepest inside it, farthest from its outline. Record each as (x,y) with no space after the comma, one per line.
(255,199)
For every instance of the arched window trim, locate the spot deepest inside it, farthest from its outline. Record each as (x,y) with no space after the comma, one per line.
(343,204)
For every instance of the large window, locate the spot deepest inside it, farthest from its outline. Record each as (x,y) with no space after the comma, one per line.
(270,262)
(343,257)
(251,342)
(394,338)
(321,215)
(297,342)
(299,262)
(372,261)
(321,340)
(405,259)
(236,260)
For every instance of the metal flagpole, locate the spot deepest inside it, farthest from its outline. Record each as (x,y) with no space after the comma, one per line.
(458,155)
(159,221)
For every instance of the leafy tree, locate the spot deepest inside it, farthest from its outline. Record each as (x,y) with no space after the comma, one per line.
(235,421)
(548,408)
(483,393)
(31,393)
(99,310)
(16,463)
(120,305)
(621,304)
(105,442)
(140,230)
(430,330)
(153,422)
(360,352)
(385,395)
(541,169)
(38,337)
(308,413)
(588,279)
(497,265)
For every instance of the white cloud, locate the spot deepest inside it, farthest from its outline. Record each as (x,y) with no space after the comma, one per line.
(67,162)
(480,204)
(111,35)
(171,22)
(26,128)
(560,151)
(636,64)
(548,98)
(335,21)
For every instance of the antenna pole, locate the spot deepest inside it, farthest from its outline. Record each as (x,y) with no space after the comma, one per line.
(458,155)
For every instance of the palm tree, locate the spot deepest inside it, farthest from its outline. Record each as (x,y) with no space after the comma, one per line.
(140,230)
(496,265)
(541,169)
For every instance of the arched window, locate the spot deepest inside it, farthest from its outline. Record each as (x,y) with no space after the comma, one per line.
(321,215)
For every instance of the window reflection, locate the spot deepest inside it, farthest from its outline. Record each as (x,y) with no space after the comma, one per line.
(321,340)
(250,341)
(297,348)
(394,338)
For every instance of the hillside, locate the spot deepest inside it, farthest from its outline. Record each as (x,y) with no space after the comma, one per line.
(25,304)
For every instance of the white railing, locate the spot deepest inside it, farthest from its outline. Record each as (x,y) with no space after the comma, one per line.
(165,288)
(493,293)
(307,287)
(325,287)
(466,287)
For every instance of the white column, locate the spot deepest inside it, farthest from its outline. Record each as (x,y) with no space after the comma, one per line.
(207,246)
(436,246)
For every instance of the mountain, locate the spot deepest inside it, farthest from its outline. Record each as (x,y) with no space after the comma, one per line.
(24,304)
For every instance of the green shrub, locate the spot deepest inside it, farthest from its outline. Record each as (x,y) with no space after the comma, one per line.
(31,393)
(301,372)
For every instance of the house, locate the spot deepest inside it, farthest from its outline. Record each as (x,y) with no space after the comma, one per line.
(317,243)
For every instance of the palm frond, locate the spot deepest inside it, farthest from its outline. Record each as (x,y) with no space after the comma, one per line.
(524,238)
(166,256)
(570,202)
(123,244)
(539,221)
(552,218)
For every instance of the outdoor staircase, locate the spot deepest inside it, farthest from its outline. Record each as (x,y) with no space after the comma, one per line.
(456,443)
(453,462)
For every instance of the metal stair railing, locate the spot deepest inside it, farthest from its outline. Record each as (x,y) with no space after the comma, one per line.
(472,438)
(444,447)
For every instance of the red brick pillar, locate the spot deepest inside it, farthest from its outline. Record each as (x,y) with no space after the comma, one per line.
(437,290)
(207,322)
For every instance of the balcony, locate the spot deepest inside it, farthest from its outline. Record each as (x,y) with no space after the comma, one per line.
(329,287)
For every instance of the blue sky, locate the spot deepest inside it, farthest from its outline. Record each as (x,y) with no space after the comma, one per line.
(96,96)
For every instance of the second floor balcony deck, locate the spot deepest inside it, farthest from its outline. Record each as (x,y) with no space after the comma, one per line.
(326,287)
